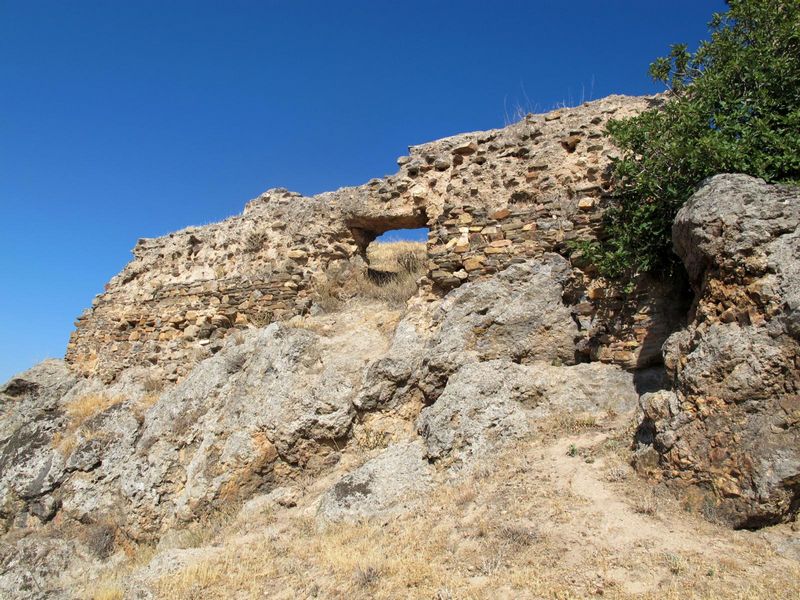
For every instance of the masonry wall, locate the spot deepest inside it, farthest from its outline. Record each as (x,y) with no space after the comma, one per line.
(489,199)
(618,326)
(184,292)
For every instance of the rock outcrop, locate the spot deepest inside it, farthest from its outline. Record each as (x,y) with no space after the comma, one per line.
(30,417)
(486,405)
(392,482)
(731,426)
(522,314)
(272,401)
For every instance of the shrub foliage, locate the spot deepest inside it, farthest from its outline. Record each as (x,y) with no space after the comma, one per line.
(732,106)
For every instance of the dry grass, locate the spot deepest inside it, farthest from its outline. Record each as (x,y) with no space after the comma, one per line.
(203,531)
(645,504)
(65,442)
(562,423)
(371,439)
(255,240)
(80,411)
(108,592)
(153,383)
(394,269)
(397,256)
(111,585)
(85,407)
(143,405)
(520,528)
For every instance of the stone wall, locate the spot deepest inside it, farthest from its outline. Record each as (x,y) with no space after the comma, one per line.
(489,199)
(182,293)
(621,327)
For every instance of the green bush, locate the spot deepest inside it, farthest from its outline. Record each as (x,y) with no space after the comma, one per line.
(732,106)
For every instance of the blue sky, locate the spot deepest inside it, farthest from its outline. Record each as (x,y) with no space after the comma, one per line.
(129,119)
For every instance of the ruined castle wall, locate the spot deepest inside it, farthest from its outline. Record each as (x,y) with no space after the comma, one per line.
(488,198)
(618,326)
(183,292)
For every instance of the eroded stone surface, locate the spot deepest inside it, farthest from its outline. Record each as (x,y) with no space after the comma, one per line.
(732,425)
(391,482)
(515,194)
(486,405)
(30,415)
(270,401)
(520,315)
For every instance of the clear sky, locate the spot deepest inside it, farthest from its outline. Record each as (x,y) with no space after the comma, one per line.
(134,118)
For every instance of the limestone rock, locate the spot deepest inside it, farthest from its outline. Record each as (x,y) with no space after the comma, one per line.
(479,409)
(272,397)
(390,483)
(517,314)
(389,380)
(732,426)
(30,568)
(276,395)
(30,414)
(489,404)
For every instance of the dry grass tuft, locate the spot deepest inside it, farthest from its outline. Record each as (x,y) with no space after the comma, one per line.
(79,411)
(108,592)
(153,383)
(519,535)
(569,423)
(65,442)
(143,405)
(86,407)
(410,257)
(394,269)
(645,504)
(255,240)
(366,577)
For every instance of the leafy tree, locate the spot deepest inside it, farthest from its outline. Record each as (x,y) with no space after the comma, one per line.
(732,106)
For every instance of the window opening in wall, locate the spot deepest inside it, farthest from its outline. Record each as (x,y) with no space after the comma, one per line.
(397,254)
(395,257)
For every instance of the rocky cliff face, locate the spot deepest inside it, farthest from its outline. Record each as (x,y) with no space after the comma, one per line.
(731,425)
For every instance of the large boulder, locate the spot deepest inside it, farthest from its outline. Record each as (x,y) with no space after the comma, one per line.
(386,485)
(487,405)
(732,424)
(30,415)
(480,409)
(518,315)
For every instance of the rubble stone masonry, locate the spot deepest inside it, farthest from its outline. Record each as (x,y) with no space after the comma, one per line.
(489,199)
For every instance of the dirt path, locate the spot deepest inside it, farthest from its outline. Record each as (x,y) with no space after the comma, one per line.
(558,516)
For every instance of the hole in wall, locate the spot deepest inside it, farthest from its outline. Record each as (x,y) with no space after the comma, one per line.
(365,230)
(397,253)
(416,235)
